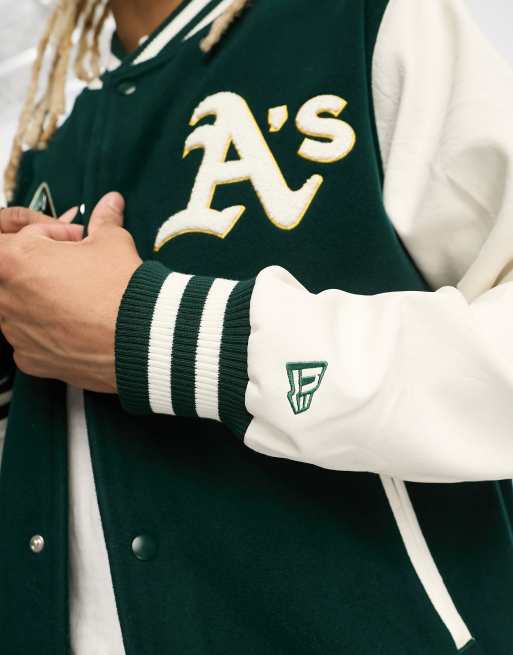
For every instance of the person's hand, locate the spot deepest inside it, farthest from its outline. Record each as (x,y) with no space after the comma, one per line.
(14,219)
(60,295)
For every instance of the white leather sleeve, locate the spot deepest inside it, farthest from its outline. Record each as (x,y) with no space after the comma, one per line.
(409,384)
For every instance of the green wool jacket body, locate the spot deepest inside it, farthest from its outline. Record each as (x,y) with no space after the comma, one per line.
(254,554)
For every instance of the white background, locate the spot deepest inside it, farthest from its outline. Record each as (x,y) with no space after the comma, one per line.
(22,21)
(496,20)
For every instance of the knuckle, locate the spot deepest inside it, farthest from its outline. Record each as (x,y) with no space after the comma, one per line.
(14,218)
(19,214)
(22,362)
(5,215)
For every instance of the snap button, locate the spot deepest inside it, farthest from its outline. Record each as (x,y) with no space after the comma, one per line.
(127,88)
(144,547)
(37,544)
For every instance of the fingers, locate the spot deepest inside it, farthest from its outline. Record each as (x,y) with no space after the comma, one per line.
(109,211)
(56,231)
(68,216)
(13,219)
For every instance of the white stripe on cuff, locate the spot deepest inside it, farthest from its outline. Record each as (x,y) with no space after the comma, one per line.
(160,348)
(208,351)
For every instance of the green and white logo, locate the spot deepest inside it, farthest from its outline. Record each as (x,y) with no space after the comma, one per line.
(305,378)
(43,202)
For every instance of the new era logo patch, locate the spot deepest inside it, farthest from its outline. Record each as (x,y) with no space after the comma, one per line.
(42,201)
(304,378)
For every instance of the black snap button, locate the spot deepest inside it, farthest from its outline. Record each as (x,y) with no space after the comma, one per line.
(127,88)
(144,547)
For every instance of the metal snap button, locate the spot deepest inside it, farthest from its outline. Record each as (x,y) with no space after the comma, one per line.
(37,544)
(144,547)
(127,88)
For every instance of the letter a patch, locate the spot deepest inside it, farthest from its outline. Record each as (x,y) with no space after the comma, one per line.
(304,378)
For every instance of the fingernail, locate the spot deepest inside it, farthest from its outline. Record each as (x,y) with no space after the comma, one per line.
(69,215)
(116,201)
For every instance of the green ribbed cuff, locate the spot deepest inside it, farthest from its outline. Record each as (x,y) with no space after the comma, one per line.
(182,345)
(233,368)
(133,336)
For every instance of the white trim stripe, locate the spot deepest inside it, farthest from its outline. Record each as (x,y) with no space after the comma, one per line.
(422,560)
(5,398)
(156,45)
(161,342)
(208,352)
(209,18)
(113,62)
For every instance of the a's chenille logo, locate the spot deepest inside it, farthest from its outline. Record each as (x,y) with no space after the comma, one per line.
(328,139)
(305,379)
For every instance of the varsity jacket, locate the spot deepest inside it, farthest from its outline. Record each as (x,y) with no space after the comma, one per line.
(311,447)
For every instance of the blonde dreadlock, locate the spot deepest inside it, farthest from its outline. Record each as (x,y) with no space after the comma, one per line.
(222,24)
(39,117)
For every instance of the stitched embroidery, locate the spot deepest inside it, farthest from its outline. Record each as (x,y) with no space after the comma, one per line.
(304,378)
(340,136)
(277,117)
(235,128)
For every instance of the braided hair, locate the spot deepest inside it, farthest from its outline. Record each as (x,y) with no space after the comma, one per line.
(41,111)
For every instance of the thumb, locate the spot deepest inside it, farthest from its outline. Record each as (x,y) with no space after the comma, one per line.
(109,211)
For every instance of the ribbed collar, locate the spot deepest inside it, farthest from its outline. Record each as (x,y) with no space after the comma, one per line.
(189,18)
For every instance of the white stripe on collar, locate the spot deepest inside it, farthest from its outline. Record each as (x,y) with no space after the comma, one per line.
(113,62)
(156,45)
(209,18)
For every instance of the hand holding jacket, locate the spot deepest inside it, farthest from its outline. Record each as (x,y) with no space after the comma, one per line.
(60,294)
